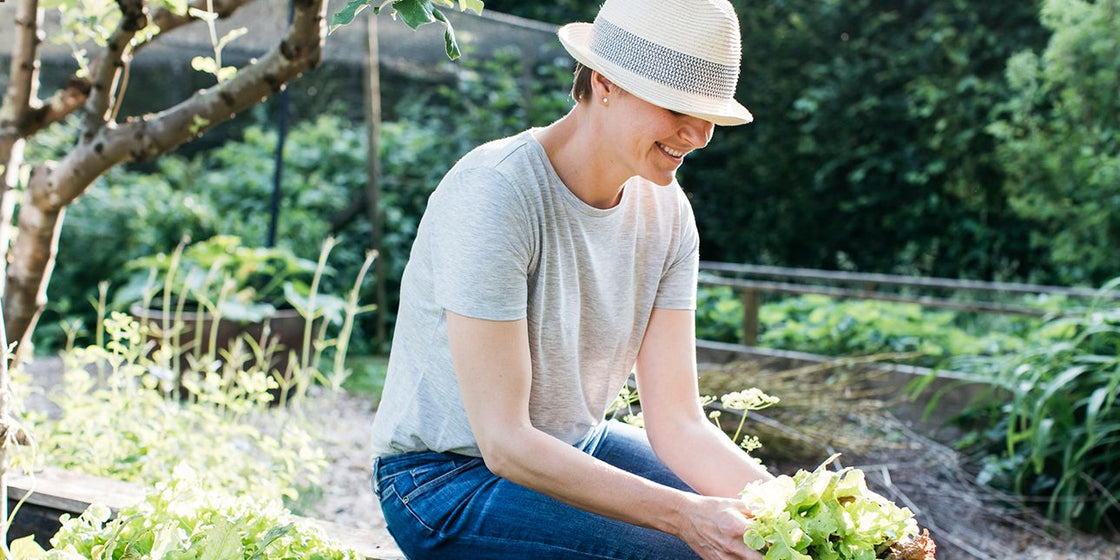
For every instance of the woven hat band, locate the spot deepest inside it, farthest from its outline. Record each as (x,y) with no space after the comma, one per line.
(674,69)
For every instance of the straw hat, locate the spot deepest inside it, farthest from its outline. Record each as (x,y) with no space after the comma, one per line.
(681,55)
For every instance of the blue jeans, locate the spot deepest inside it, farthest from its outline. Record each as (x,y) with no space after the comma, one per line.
(444,505)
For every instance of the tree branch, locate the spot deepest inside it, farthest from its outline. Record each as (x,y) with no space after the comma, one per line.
(61,104)
(107,70)
(22,78)
(145,137)
(165,20)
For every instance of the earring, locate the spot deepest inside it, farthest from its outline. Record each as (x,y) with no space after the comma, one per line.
(604,101)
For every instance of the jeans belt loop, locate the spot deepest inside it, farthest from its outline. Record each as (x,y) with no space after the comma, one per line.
(376,479)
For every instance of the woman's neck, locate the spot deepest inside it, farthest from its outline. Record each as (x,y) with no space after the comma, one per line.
(576,153)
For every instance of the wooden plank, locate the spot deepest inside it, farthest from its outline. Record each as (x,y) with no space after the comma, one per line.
(752,301)
(72,492)
(897,280)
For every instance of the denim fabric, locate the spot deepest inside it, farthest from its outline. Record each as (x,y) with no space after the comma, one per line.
(443,505)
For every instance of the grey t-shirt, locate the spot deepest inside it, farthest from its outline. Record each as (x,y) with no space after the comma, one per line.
(503,239)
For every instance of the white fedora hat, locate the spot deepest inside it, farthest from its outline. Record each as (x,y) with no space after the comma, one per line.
(681,55)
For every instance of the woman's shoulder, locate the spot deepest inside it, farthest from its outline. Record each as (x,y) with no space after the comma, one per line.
(513,164)
(500,155)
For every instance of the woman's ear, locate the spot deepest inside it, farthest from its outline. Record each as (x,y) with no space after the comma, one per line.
(601,87)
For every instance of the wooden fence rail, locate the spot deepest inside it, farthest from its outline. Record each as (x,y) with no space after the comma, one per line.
(867,286)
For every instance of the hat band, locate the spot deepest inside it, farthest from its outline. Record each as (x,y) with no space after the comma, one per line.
(677,70)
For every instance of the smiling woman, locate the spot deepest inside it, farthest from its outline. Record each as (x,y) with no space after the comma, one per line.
(546,268)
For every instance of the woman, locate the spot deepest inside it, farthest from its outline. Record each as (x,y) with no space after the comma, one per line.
(546,267)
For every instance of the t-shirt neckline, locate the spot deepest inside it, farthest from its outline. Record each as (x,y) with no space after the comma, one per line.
(557,184)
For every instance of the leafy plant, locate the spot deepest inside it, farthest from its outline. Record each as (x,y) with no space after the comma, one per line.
(1051,426)
(824,515)
(719,314)
(220,275)
(120,418)
(853,327)
(823,325)
(185,519)
(414,13)
(213,65)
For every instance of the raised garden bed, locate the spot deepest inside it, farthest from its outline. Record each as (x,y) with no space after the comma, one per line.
(54,492)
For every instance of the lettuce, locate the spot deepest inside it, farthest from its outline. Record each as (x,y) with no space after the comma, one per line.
(823,515)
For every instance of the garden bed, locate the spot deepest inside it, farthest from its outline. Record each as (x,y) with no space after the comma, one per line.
(862,411)
(345,506)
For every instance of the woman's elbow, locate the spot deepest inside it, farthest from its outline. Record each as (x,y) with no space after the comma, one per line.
(500,452)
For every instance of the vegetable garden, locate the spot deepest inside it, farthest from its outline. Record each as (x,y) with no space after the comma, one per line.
(232,438)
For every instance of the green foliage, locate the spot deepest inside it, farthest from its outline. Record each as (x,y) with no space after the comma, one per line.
(1051,428)
(124,216)
(1060,138)
(213,64)
(228,190)
(822,514)
(490,101)
(183,519)
(822,325)
(220,275)
(132,214)
(869,150)
(719,314)
(414,13)
(122,421)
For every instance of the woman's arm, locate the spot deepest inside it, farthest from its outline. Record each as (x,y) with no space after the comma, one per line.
(681,435)
(493,366)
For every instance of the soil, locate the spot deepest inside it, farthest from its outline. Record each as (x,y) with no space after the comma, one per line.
(966,520)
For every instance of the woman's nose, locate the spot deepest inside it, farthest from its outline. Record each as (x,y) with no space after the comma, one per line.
(697,131)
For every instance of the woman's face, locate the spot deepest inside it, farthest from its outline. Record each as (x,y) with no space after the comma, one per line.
(649,140)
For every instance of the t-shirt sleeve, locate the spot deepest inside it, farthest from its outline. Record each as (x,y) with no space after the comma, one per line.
(677,289)
(481,246)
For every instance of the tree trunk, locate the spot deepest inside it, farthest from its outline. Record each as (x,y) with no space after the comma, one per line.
(22,85)
(105,144)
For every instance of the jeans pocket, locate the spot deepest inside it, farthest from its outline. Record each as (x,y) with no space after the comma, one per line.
(436,491)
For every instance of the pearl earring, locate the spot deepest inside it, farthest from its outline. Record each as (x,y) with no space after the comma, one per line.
(604,101)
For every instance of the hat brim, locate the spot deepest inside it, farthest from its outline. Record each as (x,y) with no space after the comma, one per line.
(576,39)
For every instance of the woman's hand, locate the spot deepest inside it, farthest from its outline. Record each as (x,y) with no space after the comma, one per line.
(714,529)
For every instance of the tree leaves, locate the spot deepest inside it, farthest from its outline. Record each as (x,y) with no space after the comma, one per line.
(413,13)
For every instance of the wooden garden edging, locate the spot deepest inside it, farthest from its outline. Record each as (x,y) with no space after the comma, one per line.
(56,491)
(868,286)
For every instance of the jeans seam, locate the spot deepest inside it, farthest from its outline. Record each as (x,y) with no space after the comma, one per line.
(421,489)
(391,492)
